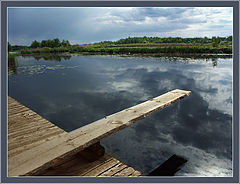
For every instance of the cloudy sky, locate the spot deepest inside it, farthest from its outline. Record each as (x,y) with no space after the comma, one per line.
(86,25)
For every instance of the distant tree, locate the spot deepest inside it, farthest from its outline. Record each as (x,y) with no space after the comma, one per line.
(65,43)
(35,44)
(68,43)
(9,47)
(43,43)
(18,47)
(215,41)
(229,38)
(50,43)
(205,40)
(56,42)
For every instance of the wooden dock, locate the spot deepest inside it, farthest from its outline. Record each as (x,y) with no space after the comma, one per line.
(38,147)
(27,129)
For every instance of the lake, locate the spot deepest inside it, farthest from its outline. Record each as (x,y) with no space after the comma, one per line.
(74,90)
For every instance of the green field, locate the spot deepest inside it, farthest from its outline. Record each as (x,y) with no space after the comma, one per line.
(135,45)
(133,50)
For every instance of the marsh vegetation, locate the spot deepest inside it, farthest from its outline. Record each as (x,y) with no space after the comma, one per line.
(134,45)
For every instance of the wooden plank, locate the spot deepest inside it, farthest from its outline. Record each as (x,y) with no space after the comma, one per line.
(117,168)
(93,152)
(21,113)
(41,157)
(29,146)
(125,172)
(31,128)
(135,173)
(16,109)
(13,102)
(79,166)
(67,168)
(76,166)
(24,115)
(21,123)
(15,105)
(102,168)
(30,138)
(26,130)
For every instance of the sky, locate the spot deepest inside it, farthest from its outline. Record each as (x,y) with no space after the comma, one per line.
(89,25)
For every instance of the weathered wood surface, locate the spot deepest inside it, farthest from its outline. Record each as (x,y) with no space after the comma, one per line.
(104,166)
(67,144)
(27,129)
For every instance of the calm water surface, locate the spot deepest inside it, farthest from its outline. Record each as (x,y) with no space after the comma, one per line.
(72,91)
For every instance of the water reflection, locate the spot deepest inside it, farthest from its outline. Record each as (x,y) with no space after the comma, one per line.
(203,56)
(28,67)
(214,62)
(89,88)
(51,57)
(12,65)
(194,121)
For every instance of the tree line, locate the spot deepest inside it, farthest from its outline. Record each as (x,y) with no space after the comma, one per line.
(50,43)
(56,43)
(44,43)
(205,40)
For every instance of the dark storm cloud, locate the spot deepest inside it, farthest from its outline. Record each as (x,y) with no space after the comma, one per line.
(43,23)
(139,14)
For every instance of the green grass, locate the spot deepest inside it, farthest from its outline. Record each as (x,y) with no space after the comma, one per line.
(133,49)
(44,50)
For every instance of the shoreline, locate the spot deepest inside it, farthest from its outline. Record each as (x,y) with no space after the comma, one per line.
(173,50)
(184,55)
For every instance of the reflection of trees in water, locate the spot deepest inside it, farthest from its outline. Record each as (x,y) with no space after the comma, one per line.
(52,57)
(12,65)
(216,56)
(214,62)
(186,58)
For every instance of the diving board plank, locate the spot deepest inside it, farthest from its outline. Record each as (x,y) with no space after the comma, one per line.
(48,153)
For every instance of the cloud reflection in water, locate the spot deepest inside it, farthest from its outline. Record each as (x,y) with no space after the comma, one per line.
(198,127)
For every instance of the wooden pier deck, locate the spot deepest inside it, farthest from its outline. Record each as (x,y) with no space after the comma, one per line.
(37,147)
(27,129)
